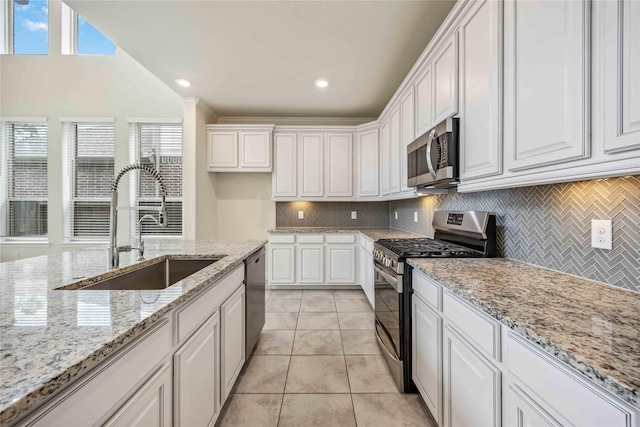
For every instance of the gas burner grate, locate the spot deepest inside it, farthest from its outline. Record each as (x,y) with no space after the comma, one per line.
(426,248)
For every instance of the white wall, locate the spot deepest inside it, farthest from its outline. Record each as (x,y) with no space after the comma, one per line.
(57,85)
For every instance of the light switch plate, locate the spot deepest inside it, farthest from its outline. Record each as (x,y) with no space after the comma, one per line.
(602,234)
(300,214)
(415,217)
(354,215)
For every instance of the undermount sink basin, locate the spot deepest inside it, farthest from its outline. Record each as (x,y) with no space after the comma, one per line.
(159,275)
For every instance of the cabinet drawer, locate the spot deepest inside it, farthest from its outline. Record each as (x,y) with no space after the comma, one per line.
(426,289)
(191,316)
(367,244)
(310,238)
(282,238)
(482,330)
(341,238)
(576,400)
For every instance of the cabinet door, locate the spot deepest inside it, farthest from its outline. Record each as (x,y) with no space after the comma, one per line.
(620,62)
(311,165)
(424,102)
(522,411)
(368,165)
(255,150)
(223,150)
(445,80)
(407,134)
(427,355)
(384,158)
(370,280)
(339,165)
(480,37)
(196,372)
(282,258)
(394,151)
(546,82)
(233,342)
(471,385)
(150,406)
(285,163)
(362,269)
(341,266)
(311,260)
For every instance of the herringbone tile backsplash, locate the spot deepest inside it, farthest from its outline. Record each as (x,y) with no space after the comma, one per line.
(550,225)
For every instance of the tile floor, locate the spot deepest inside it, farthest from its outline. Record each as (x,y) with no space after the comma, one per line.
(317,363)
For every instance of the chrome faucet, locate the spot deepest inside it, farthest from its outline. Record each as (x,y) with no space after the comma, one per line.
(140,247)
(114,249)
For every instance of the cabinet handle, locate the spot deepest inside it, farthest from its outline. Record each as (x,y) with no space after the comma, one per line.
(432,136)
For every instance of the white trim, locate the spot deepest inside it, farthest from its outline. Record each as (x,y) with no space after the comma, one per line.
(69,31)
(25,241)
(298,121)
(22,119)
(87,119)
(152,120)
(6,22)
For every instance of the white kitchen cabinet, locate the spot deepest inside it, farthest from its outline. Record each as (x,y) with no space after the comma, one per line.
(407,134)
(282,258)
(368,164)
(384,157)
(480,36)
(285,175)
(424,101)
(311,165)
(546,82)
(426,332)
(395,150)
(197,397)
(150,406)
(472,385)
(233,340)
(310,259)
(445,80)
(341,264)
(239,148)
(522,411)
(339,164)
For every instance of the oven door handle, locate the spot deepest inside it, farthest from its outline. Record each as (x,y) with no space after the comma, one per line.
(432,137)
(389,278)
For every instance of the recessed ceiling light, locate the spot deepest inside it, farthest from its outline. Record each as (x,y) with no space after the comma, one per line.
(322,83)
(183,82)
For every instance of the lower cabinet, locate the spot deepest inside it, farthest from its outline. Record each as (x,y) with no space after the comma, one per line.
(522,411)
(233,340)
(311,264)
(341,264)
(197,377)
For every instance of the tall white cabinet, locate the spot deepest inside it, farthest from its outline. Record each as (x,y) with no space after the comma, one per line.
(339,148)
(285,175)
(311,163)
(368,164)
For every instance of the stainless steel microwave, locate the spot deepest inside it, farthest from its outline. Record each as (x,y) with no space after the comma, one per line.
(432,159)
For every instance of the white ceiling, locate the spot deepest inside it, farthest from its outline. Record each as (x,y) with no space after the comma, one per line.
(261,58)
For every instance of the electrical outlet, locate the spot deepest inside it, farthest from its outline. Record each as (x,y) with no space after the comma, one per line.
(396,215)
(354,214)
(601,234)
(300,214)
(415,217)
(259,214)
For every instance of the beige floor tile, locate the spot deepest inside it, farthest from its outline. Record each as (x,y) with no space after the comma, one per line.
(384,410)
(283,293)
(267,294)
(282,305)
(317,342)
(353,305)
(265,374)
(357,320)
(280,321)
(317,410)
(252,410)
(275,342)
(317,293)
(312,303)
(317,374)
(318,321)
(360,341)
(369,374)
(344,294)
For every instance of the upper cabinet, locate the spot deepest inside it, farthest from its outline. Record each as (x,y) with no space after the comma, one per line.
(285,177)
(384,157)
(445,80)
(424,101)
(339,149)
(546,82)
(311,165)
(239,148)
(394,151)
(480,37)
(368,167)
(407,134)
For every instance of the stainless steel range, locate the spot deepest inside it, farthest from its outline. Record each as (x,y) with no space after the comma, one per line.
(469,234)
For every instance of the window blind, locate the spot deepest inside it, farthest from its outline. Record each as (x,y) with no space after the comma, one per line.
(25,180)
(93,148)
(160,145)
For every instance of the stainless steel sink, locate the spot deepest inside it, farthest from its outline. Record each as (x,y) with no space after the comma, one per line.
(159,275)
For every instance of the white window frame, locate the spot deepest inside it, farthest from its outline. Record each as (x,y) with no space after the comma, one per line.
(69,175)
(6,31)
(4,191)
(70,32)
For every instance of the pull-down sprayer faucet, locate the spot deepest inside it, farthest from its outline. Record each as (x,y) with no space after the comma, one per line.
(114,249)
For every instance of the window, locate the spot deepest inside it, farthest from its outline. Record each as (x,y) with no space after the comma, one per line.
(24,179)
(159,145)
(91,151)
(26,27)
(79,37)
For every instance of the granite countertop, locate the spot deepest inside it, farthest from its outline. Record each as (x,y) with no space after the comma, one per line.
(373,233)
(591,326)
(50,337)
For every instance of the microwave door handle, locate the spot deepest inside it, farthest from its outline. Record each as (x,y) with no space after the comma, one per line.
(432,169)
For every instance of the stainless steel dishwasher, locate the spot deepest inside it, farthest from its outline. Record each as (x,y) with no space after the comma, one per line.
(254,273)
